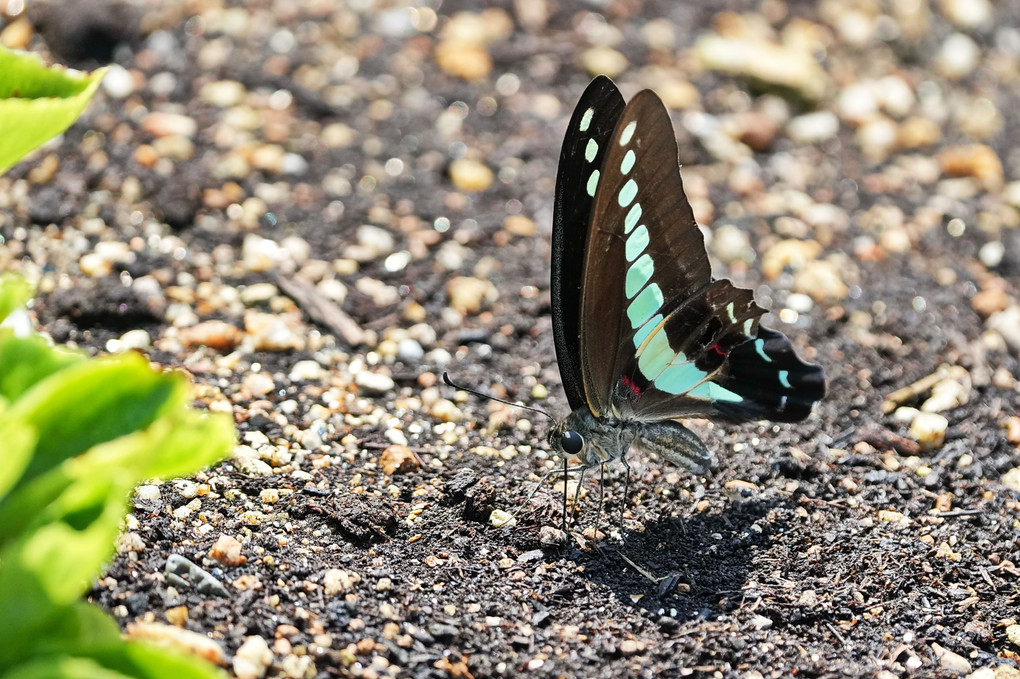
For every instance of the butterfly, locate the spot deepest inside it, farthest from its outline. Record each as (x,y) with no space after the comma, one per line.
(644,334)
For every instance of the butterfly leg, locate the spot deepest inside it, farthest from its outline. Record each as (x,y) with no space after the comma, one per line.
(602,497)
(626,489)
(566,470)
(577,493)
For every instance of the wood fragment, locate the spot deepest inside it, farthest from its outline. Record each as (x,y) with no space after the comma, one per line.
(921,386)
(321,310)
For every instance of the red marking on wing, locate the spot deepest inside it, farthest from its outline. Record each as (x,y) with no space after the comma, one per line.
(716,349)
(629,383)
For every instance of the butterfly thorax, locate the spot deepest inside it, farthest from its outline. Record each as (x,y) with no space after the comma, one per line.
(598,440)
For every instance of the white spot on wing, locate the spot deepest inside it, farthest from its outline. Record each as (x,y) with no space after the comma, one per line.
(586,120)
(627,133)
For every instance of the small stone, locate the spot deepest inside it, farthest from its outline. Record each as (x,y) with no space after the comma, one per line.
(784,67)
(373,242)
(272,332)
(967,13)
(223,93)
(500,519)
(946,395)
(161,124)
(252,659)
(551,537)
(958,56)
(294,164)
(858,103)
(813,128)
(929,429)
(539,392)
(147,493)
(821,280)
(877,138)
(118,83)
(130,542)
(470,175)
(227,550)
(177,616)
(519,225)
(258,384)
(731,244)
(374,383)
(1011,480)
(989,301)
(949,660)
(466,60)
(1013,634)
(261,254)
(308,371)
(268,157)
(917,132)
(336,581)
(1013,430)
(182,640)
(218,335)
(991,253)
(789,253)
(603,60)
(1007,324)
(398,459)
(973,160)
(410,351)
(467,294)
(630,647)
(760,622)
(384,585)
(135,340)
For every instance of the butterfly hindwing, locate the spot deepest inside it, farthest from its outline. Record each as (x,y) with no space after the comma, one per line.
(581,159)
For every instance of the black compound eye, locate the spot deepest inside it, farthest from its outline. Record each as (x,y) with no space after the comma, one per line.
(571,442)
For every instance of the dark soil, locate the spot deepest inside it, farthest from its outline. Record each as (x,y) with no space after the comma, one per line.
(835,547)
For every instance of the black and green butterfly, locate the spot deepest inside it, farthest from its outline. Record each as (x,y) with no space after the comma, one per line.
(644,335)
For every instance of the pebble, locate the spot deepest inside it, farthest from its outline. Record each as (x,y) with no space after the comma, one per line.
(272,332)
(336,581)
(470,175)
(603,60)
(813,128)
(786,68)
(877,138)
(958,56)
(223,93)
(973,160)
(294,164)
(467,294)
(227,550)
(822,280)
(731,244)
(501,519)
(410,351)
(374,383)
(147,493)
(308,371)
(991,253)
(858,103)
(184,641)
(953,662)
(218,335)
(1007,324)
(260,254)
(918,132)
(466,60)
(118,83)
(130,542)
(382,295)
(1011,480)
(398,459)
(946,395)
(373,242)
(258,384)
(519,225)
(788,253)
(162,124)
(967,13)
(135,340)
(929,429)
(252,659)
(1013,634)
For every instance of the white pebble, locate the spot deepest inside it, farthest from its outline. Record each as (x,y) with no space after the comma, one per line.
(812,128)
(118,82)
(409,351)
(294,164)
(929,429)
(374,383)
(991,253)
(307,371)
(958,57)
(148,493)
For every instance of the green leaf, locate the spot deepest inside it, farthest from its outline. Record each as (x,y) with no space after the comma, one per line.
(19,442)
(25,361)
(38,102)
(92,402)
(14,293)
(63,667)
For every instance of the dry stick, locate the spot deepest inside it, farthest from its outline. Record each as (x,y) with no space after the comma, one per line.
(321,310)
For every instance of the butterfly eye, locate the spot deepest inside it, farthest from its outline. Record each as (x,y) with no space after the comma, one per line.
(571,442)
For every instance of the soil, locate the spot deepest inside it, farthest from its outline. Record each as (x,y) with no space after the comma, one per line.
(840,546)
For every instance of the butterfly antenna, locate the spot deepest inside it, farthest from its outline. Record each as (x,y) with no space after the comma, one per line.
(449,382)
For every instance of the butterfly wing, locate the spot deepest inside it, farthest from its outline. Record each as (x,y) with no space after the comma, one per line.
(581,158)
(659,338)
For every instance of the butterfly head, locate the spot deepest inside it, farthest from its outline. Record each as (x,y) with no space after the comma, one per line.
(594,440)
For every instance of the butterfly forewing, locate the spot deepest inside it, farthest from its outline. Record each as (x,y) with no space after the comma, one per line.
(581,160)
(659,338)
